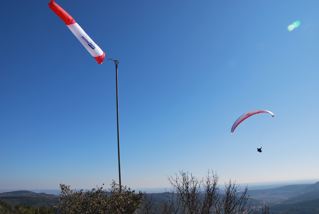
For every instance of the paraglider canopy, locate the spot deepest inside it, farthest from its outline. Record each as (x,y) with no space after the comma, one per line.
(247,115)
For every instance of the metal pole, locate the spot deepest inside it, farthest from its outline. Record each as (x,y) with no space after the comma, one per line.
(116,62)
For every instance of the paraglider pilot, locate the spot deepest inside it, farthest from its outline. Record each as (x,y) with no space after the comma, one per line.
(259,149)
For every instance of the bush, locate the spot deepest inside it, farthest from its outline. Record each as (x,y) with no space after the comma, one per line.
(99,201)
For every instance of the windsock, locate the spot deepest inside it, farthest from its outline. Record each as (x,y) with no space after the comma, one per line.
(78,32)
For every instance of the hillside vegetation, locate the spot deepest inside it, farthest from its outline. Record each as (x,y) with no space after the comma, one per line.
(190,196)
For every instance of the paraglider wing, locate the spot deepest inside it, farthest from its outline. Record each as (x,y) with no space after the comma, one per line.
(247,115)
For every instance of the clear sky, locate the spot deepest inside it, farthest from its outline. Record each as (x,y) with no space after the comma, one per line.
(188,70)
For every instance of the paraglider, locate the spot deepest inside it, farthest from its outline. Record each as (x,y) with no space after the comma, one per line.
(78,32)
(247,115)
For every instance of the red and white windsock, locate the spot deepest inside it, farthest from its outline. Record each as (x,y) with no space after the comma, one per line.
(78,32)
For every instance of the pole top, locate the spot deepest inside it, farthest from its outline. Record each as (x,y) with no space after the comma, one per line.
(116,61)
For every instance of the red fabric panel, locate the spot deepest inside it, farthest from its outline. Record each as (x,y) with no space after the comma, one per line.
(59,11)
(100,59)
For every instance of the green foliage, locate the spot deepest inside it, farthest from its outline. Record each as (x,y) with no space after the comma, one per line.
(99,201)
(5,208)
(124,201)
(21,209)
(72,201)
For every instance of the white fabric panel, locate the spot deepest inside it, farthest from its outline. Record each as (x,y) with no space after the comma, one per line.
(85,40)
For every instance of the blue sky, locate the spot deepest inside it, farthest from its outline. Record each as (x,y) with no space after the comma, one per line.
(188,70)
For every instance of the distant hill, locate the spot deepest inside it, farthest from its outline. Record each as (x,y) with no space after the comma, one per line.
(311,194)
(29,198)
(292,199)
(305,207)
(284,194)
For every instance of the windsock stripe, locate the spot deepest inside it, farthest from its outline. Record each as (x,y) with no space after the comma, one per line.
(85,40)
(60,12)
(100,59)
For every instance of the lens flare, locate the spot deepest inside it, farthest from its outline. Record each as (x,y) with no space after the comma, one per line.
(294,25)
